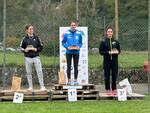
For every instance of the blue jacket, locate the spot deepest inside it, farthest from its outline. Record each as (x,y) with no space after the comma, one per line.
(72,39)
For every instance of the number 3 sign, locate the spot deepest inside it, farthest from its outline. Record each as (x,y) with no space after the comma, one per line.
(122,95)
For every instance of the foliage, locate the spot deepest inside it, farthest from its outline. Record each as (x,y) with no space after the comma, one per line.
(12,42)
(51,48)
(48,15)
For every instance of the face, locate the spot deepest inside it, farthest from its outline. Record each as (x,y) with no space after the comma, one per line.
(109,33)
(73,26)
(30,30)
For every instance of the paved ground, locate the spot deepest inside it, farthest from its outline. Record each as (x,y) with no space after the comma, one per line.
(137,88)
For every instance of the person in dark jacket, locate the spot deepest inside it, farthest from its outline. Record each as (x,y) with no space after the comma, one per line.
(110,49)
(31,46)
(72,41)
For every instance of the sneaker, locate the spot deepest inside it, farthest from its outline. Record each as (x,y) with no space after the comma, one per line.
(69,83)
(108,92)
(30,89)
(72,83)
(43,88)
(114,92)
(76,83)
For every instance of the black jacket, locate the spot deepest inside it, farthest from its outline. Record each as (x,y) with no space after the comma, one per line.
(35,42)
(105,46)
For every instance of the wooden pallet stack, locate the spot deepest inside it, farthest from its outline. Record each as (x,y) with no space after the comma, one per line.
(84,92)
(60,92)
(8,95)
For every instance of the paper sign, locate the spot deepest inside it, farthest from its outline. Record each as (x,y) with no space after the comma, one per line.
(18,97)
(126,85)
(122,95)
(72,95)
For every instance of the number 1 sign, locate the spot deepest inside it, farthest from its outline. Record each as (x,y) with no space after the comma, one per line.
(72,95)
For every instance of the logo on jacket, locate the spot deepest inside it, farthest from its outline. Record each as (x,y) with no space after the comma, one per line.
(77,37)
(113,43)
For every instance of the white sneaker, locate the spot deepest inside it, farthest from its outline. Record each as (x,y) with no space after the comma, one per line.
(30,89)
(43,88)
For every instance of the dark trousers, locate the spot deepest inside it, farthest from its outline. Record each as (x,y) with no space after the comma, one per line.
(75,64)
(110,69)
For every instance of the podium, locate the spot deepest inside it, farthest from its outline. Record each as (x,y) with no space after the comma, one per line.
(84,92)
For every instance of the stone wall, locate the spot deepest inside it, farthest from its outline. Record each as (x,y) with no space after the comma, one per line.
(51,76)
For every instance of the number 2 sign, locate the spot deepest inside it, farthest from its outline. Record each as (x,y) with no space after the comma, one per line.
(18,97)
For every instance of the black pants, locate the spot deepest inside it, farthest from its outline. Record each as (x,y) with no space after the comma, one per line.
(110,69)
(75,62)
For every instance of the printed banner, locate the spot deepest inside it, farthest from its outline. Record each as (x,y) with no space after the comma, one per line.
(83,60)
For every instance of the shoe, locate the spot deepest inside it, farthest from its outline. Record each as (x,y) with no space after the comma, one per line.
(76,83)
(30,89)
(114,92)
(43,88)
(72,83)
(69,83)
(108,92)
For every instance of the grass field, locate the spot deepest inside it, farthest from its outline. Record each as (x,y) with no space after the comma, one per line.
(101,106)
(126,60)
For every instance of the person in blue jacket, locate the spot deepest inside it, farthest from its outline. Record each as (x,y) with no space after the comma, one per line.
(72,41)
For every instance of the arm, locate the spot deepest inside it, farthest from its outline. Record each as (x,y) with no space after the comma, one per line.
(64,41)
(102,49)
(23,45)
(118,48)
(80,41)
(39,46)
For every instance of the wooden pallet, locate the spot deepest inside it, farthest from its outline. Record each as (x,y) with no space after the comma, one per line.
(84,92)
(81,94)
(8,95)
(133,96)
(84,87)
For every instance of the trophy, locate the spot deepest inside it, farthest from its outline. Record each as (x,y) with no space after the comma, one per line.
(30,47)
(74,47)
(114,51)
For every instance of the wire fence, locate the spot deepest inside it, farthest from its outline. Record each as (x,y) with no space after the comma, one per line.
(47,16)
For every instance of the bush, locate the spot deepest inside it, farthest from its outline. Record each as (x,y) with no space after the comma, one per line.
(51,48)
(12,42)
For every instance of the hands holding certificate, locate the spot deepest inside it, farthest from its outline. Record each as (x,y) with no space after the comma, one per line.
(30,48)
(73,48)
(114,51)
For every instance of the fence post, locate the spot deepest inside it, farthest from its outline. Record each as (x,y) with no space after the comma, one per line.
(4,44)
(116,19)
(148,46)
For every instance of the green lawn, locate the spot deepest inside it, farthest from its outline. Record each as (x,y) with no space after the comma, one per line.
(101,106)
(126,60)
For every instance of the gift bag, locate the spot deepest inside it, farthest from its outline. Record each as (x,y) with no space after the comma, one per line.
(16,83)
(126,85)
(61,76)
